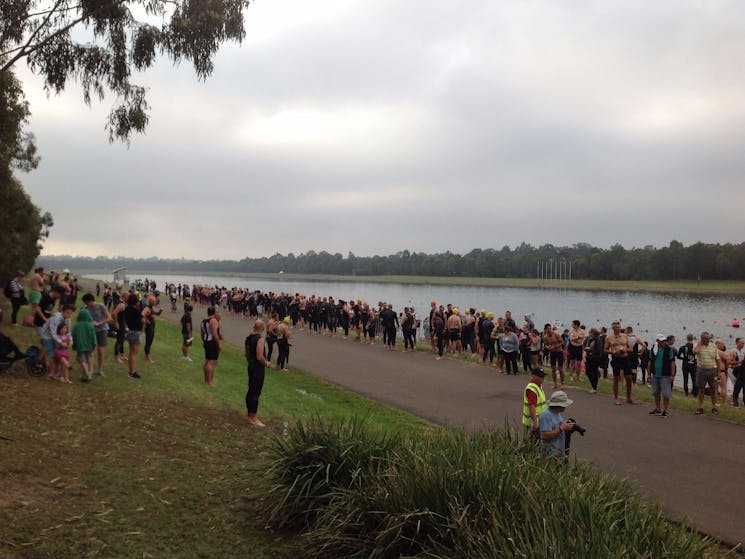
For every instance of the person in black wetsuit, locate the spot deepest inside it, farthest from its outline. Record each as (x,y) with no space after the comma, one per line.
(256,366)
(389,320)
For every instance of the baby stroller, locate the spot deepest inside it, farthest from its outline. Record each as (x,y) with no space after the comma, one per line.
(10,353)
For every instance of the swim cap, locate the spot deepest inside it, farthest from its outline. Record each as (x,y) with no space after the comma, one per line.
(490,315)
(483,311)
(286,320)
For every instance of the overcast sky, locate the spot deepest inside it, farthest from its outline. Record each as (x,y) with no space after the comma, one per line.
(377,126)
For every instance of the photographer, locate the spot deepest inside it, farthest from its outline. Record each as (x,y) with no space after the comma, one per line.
(552,425)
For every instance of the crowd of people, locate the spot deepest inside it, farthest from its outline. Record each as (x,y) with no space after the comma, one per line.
(129,315)
(500,342)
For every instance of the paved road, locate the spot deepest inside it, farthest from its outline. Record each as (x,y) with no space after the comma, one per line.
(687,463)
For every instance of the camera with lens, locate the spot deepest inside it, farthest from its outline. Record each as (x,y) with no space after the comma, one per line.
(576,427)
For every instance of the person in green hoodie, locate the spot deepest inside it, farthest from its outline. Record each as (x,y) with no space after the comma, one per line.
(84,342)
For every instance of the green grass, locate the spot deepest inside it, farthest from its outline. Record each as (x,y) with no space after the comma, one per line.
(160,467)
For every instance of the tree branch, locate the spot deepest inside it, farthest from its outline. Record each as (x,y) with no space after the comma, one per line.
(25,50)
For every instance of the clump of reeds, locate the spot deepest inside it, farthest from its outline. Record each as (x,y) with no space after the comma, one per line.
(357,492)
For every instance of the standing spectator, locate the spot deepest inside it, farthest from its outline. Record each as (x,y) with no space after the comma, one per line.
(510,345)
(117,315)
(84,341)
(553,426)
(101,318)
(14,292)
(133,321)
(62,343)
(661,374)
(36,286)
(42,312)
(534,402)
(52,340)
(707,359)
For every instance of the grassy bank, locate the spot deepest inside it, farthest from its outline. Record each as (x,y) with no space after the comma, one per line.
(160,467)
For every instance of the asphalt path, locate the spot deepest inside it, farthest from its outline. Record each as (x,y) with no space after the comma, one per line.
(689,464)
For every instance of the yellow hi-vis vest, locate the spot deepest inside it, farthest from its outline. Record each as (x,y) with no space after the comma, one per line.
(541,404)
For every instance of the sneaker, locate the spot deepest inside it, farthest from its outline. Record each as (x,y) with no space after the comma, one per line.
(715,411)
(699,411)
(89,376)
(664,413)
(186,358)
(134,375)
(655,412)
(100,374)
(85,378)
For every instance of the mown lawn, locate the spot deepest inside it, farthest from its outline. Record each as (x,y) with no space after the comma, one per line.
(160,467)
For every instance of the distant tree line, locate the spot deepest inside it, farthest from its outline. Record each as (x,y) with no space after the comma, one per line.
(699,261)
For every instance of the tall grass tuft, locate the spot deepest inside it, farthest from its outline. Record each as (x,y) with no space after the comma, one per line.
(360,493)
(318,458)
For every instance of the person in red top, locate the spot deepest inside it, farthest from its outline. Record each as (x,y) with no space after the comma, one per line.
(534,401)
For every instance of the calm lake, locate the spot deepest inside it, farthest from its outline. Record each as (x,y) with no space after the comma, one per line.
(648,313)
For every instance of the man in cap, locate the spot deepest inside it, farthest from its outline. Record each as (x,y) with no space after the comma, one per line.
(661,369)
(534,401)
(552,425)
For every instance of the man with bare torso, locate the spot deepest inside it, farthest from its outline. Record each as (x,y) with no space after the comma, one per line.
(576,347)
(555,345)
(617,346)
(454,326)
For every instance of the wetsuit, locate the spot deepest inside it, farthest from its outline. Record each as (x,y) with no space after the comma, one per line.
(686,355)
(592,362)
(439,330)
(149,332)
(255,374)
(390,321)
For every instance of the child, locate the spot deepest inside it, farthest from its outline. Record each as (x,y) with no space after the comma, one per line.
(85,342)
(62,353)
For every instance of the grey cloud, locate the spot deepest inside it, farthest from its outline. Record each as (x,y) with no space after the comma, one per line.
(543,122)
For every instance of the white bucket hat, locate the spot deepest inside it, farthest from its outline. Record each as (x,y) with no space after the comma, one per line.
(560,399)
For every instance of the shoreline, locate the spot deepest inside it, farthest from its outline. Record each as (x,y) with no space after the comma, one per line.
(689,287)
